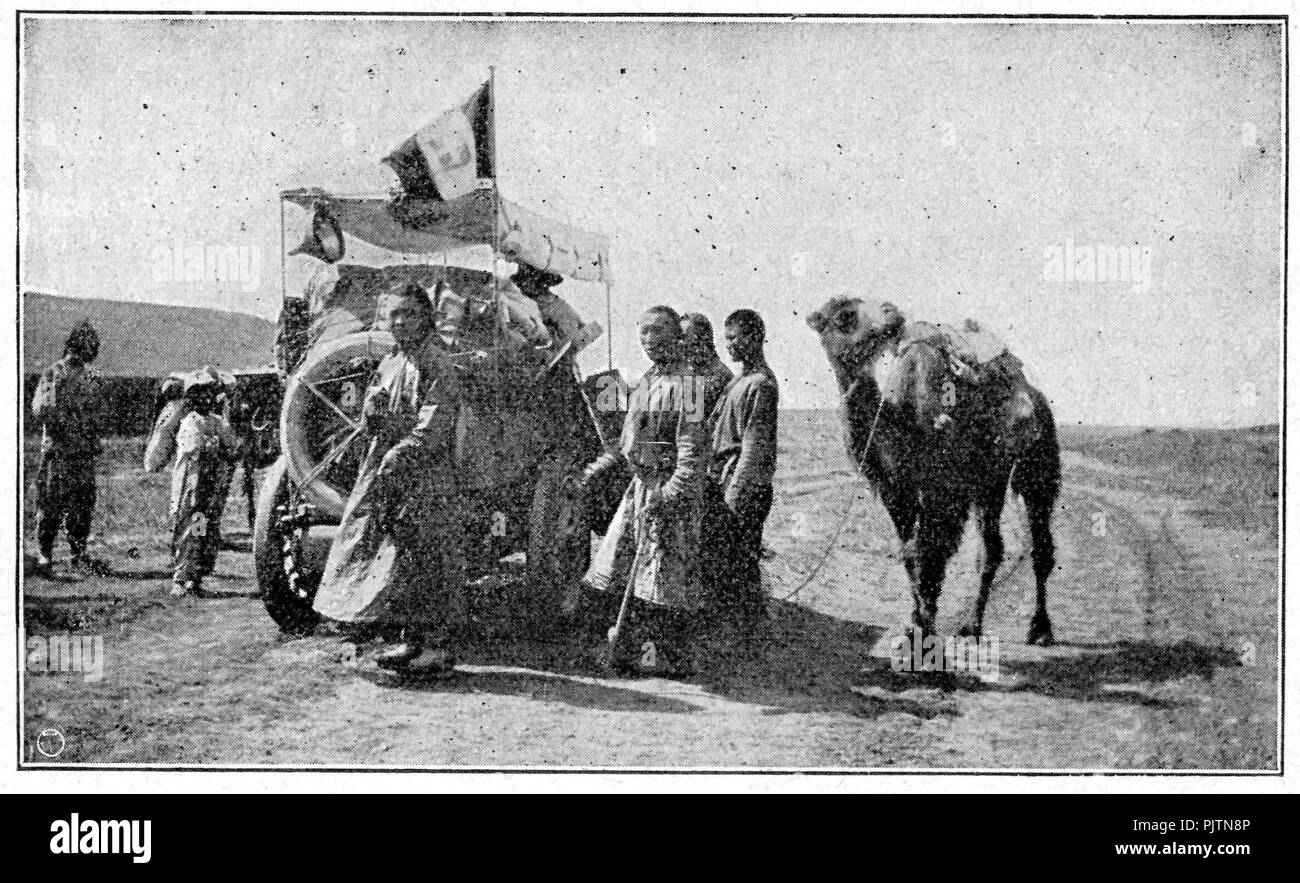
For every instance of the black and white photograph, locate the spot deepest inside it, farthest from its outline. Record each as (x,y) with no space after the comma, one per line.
(579,393)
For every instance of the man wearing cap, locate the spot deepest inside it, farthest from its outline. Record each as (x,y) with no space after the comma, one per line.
(561,320)
(67,406)
(324,243)
(206,448)
(653,543)
(174,407)
(706,369)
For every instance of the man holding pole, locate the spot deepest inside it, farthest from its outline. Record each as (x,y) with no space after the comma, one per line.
(649,559)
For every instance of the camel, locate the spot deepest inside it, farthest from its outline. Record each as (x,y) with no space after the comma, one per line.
(937,440)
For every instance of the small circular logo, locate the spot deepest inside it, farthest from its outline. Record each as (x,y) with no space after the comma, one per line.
(50,743)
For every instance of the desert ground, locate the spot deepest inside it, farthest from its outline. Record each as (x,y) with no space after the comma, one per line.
(1165,611)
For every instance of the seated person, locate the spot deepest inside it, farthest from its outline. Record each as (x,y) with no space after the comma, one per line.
(562,320)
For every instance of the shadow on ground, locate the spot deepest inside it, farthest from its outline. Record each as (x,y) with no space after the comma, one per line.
(800,661)
(1124,672)
(543,686)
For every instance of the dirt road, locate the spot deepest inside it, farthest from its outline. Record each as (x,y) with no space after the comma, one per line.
(1167,657)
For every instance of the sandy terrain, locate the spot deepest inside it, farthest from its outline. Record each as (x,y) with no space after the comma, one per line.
(1167,624)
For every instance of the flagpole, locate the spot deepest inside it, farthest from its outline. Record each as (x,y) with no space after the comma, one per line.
(609,321)
(496,199)
(283,287)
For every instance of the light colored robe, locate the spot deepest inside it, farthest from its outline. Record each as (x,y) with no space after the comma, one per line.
(397,556)
(666,446)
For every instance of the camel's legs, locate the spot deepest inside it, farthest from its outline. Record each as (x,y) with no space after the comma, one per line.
(1044,553)
(1037,479)
(938,536)
(989,513)
(902,509)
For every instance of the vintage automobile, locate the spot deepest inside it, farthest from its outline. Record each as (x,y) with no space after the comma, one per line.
(526,445)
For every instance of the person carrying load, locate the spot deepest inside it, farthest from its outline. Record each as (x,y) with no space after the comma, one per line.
(206,449)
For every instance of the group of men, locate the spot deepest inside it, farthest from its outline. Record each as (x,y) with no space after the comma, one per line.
(681,554)
(686,542)
(190,433)
(683,547)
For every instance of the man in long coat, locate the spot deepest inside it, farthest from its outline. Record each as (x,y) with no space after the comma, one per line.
(398,559)
(653,541)
(173,409)
(205,448)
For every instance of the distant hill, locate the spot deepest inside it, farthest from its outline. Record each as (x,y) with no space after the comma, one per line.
(144,339)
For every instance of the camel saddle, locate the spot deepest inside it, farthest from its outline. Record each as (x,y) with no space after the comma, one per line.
(980,358)
(973,353)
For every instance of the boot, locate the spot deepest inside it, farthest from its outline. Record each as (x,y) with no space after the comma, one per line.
(399,655)
(431,662)
(190,588)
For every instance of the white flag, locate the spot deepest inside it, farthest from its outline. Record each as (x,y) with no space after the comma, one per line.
(448,157)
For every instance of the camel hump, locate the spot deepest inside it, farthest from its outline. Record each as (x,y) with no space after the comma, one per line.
(973,343)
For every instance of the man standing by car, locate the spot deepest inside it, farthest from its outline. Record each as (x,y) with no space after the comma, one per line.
(68,408)
(398,559)
(741,469)
(562,320)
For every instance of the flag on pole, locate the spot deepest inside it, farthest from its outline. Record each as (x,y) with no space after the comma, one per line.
(448,157)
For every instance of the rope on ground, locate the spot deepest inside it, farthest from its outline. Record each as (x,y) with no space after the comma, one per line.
(848,510)
(1004,573)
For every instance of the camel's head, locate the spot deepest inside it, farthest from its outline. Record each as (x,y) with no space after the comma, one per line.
(853,330)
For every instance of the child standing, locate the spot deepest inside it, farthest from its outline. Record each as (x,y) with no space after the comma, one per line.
(206,447)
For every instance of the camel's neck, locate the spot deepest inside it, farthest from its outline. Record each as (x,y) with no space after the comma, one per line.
(874,371)
(882,367)
(868,423)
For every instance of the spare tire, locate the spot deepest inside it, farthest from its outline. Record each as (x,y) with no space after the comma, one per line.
(310,428)
(290,608)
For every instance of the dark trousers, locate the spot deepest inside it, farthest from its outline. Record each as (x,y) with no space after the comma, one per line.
(732,549)
(65,494)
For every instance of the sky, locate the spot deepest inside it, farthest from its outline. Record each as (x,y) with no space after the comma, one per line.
(958,169)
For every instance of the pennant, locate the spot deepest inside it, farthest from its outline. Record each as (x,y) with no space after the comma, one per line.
(447,158)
